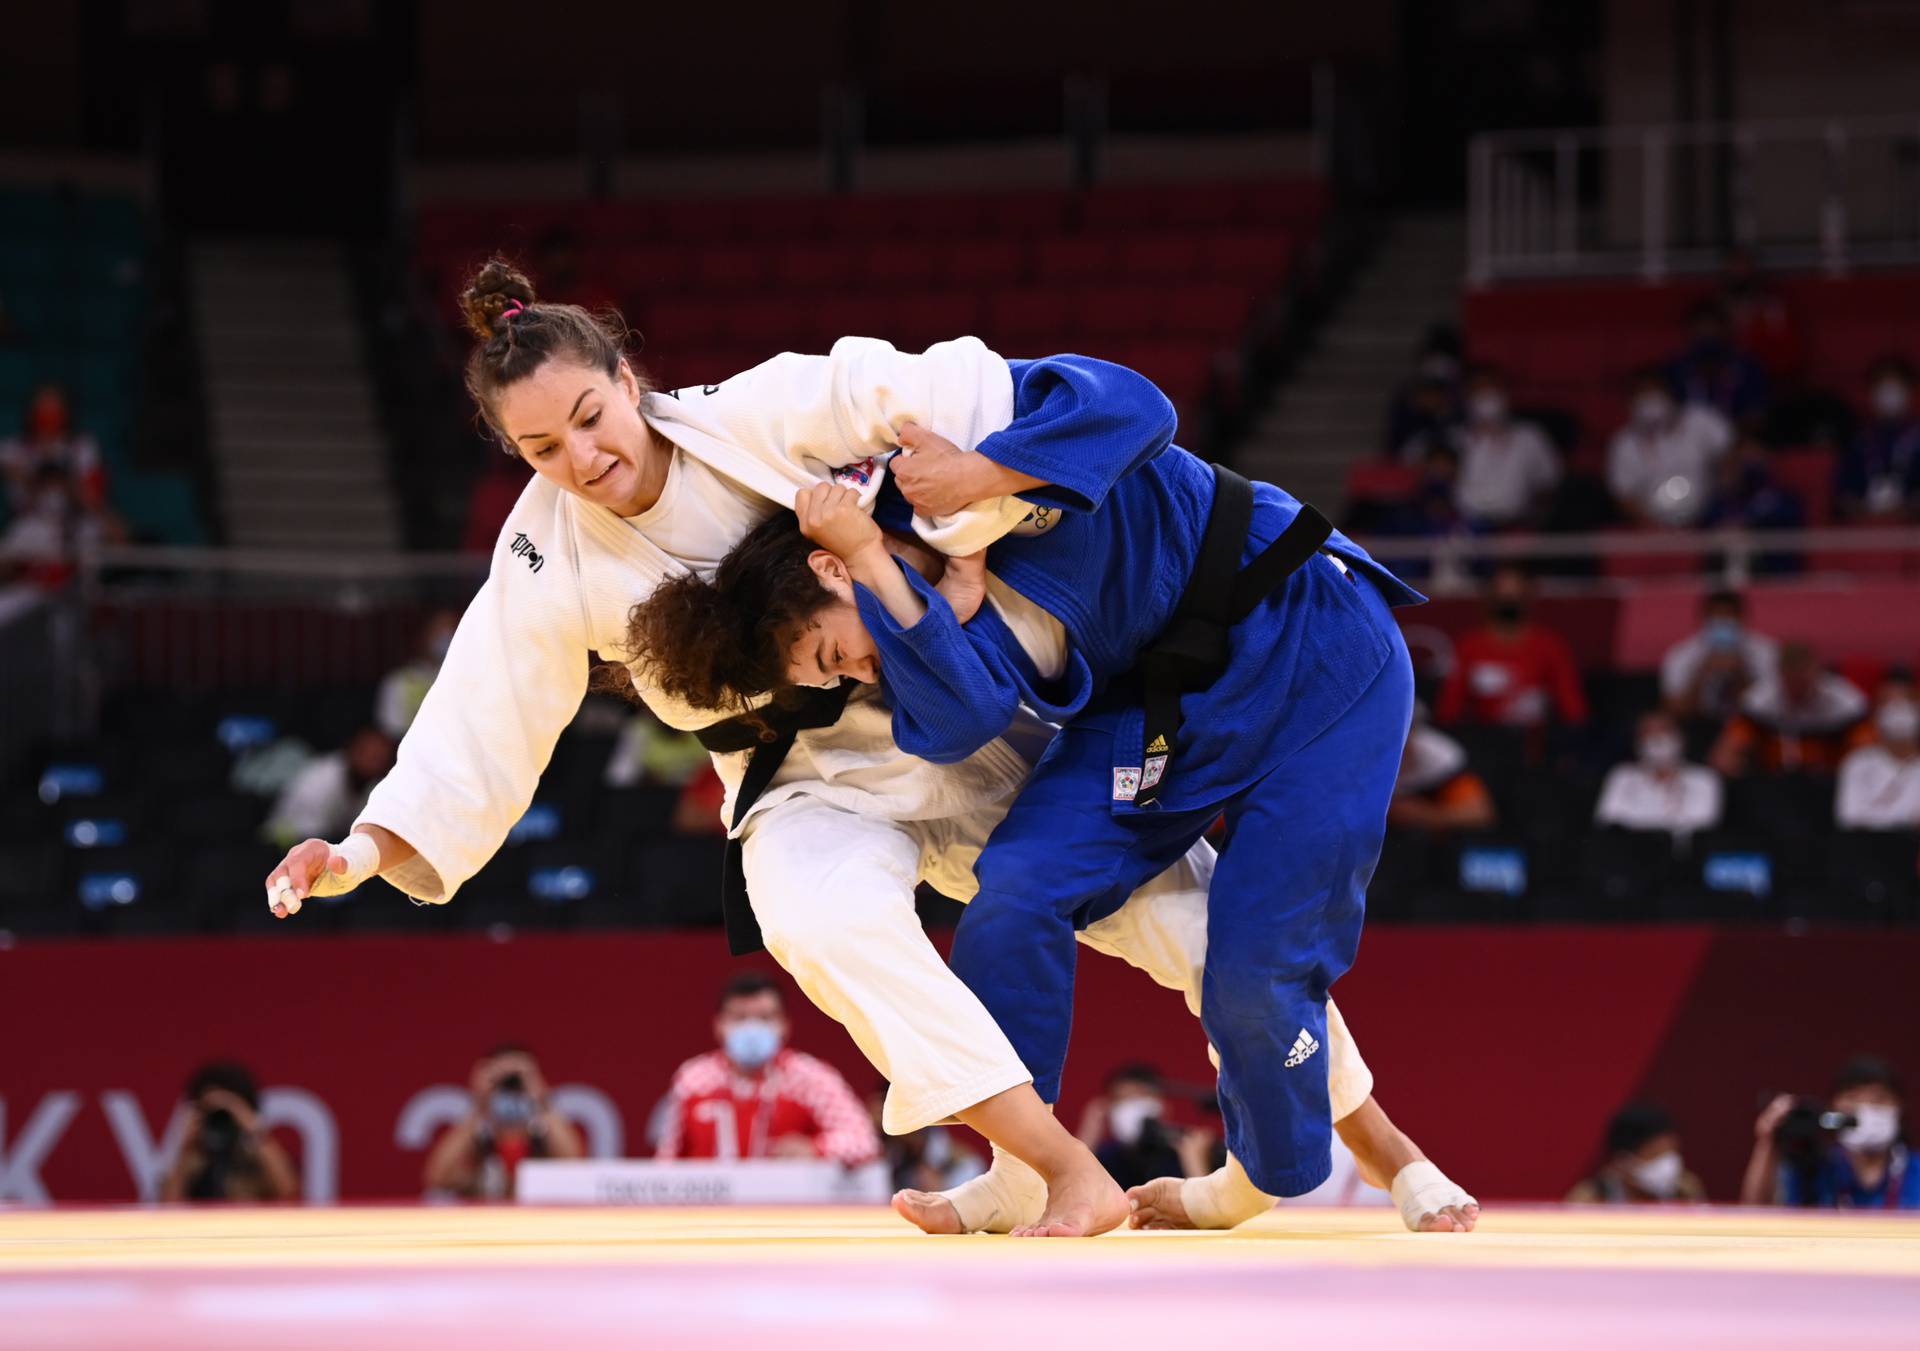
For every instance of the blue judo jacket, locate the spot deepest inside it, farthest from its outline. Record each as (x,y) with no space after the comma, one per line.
(1122,523)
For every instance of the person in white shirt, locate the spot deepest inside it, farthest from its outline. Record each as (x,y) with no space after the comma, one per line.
(1507,468)
(404,688)
(1660,467)
(1880,784)
(1705,674)
(1658,790)
(326,795)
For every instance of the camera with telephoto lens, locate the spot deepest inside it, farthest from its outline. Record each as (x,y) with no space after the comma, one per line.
(1807,1128)
(510,1104)
(219,1134)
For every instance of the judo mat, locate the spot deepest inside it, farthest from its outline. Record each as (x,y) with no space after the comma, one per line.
(368,1278)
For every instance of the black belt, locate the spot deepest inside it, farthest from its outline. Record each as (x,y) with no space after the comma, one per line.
(791,712)
(1192,651)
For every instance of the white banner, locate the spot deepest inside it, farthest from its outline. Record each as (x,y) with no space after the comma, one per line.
(699,1182)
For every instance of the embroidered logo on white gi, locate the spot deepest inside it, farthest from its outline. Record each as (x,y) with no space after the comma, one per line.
(1126,784)
(855,475)
(1303,1046)
(522,547)
(1156,769)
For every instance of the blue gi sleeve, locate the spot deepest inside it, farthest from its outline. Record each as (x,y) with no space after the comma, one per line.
(951,692)
(1080,425)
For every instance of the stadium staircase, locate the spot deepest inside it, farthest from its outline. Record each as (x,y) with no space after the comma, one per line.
(1329,414)
(297,442)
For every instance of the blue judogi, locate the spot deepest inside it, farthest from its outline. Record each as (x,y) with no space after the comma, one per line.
(1298,742)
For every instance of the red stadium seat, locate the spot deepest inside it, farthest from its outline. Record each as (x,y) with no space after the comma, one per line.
(922,318)
(1256,258)
(1110,313)
(779,323)
(1030,319)
(899,264)
(1074,258)
(1169,256)
(1212,311)
(733,267)
(1808,473)
(674,324)
(814,266)
(985,263)
(862,316)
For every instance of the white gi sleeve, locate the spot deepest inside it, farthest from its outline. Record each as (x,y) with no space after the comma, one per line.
(511,682)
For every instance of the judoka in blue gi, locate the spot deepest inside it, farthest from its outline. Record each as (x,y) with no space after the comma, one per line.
(1282,702)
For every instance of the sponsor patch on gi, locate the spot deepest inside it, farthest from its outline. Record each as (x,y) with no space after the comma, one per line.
(1126,784)
(1156,770)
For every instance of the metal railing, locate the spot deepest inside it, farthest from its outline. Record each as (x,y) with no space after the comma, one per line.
(1665,198)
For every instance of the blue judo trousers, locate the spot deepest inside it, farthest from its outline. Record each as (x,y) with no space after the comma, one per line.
(1298,743)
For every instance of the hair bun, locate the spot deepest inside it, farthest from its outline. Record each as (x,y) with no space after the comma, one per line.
(492,290)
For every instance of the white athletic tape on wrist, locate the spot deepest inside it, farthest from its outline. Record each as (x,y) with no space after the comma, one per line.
(1420,1189)
(363,861)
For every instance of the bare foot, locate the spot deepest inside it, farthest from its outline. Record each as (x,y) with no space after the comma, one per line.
(931,1212)
(1080,1203)
(1158,1205)
(1450,1220)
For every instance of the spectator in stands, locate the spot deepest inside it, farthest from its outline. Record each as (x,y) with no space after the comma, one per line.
(1127,1129)
(758,1098)
(1878,478)
(1796,719)
(322,800)
(1760,321)
(1707,674)
(1513,672)
(1436,790)
(1660,466)
(510,1117)
(226,1155)
(51,528)
(1712,372)
(1508,469)
(1658,790)
(49,439)
(1879,786)
(1643,1162)
(1860,1162)
(1428,407)
(402,690)
(1749,496)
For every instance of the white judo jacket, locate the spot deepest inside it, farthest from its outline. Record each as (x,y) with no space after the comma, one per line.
(566,572)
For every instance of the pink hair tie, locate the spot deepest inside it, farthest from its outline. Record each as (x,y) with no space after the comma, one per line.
(515,308)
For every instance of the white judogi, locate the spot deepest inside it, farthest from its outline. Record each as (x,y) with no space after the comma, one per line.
(834,847)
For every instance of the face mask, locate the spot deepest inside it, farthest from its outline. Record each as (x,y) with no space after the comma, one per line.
(1659,1175)
(1651,410)
(1508,611)
(437,646)
(1898,720)
(1487,407)
(1890,399)
(1661,750)
(1723,633)
(1878,1126)
(751,1043)
(1129,1117)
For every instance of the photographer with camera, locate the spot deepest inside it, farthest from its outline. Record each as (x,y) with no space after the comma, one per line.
(1127,1129)
(226,1156)
(510,1119)
(1846,1153)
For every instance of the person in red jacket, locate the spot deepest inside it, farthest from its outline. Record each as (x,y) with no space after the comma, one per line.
(1513,672)
(756,1097)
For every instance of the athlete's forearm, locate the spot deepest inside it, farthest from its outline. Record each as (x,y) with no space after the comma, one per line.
(875,569)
